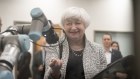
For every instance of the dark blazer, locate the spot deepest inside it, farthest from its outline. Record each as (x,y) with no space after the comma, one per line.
(115,55)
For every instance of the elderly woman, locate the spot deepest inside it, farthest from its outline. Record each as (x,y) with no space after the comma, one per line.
(81,59)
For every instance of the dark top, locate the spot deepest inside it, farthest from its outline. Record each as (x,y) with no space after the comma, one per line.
(75,66)
(115,55)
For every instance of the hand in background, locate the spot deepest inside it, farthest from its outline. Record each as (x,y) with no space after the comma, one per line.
(121,75)
(40,68)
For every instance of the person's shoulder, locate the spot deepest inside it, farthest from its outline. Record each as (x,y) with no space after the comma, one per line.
(96,44)
(116,52)
(113,50)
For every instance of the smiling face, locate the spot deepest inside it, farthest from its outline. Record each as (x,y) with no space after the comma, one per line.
(74,29)
(75,20)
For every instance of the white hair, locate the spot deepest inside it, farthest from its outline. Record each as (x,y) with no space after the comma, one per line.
(76,13)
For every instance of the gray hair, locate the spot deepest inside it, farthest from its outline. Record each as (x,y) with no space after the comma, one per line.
(76,13)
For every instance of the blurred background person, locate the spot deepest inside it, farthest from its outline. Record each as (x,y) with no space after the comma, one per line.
(111,54)
(0,29)
(0,24)
(38,67)
(115,45)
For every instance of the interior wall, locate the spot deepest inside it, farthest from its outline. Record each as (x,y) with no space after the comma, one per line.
(106,15)
(124,39)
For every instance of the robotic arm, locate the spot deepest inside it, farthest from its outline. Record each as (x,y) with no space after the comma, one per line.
(11,50)
(41,26)
(38,22)
(12,44)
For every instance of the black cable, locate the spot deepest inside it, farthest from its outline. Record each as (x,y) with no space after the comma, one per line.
(14,32)
(52,45)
